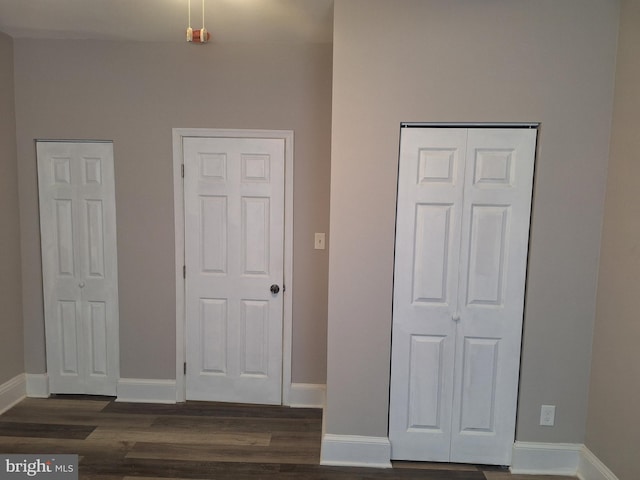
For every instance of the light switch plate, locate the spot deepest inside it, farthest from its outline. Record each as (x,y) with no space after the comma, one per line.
(319,241)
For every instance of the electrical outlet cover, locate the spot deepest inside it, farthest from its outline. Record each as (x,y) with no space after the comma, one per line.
(547,415)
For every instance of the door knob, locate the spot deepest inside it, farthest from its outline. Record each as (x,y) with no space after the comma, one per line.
(81,284)
(274,289)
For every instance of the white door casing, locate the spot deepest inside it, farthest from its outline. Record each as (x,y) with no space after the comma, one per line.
(79,265)
(234,255)
(464,201)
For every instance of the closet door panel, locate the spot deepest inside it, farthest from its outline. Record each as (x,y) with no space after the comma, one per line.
(495,237)
(425,292)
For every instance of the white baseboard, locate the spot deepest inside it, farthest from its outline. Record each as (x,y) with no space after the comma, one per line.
(591,468)
(301,395)
(140,390)
(37,385)
(530,458)
(307,395)
(355,451)
(558,459)
(11,392)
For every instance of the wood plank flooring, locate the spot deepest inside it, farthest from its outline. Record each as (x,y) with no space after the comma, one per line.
(197,440)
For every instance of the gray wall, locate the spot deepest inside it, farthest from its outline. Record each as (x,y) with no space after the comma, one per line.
(134,94)
(11,335)
(468,61)
(612,423)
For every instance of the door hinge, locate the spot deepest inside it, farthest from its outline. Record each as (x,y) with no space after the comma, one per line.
(182,170)
(284,288)
(184,271)
(185,368)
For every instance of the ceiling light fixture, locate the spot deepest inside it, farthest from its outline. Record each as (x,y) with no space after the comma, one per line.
(197,36)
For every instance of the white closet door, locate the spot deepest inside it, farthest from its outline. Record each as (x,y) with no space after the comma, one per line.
(431,179)
(493,262)
(479,350)
(234,245)
(79,263)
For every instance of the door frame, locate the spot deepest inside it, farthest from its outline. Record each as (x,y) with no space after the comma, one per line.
(178,208)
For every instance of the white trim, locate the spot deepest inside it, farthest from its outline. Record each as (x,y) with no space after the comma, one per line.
(532,458)
(591,468)
(178,214)
(355,451)
(178,209)
(529,458)
(37,385)
(307,395)
(11,392)
(140,390)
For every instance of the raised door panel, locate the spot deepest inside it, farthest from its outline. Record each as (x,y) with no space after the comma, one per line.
(95,261)
(92,168)
(213,234)
(426,375)
(431,258)
(254,341)
(64,242)
(213,334)
(60,169)
(68,330)
(255,236)
(98,324)
(479,376)
(486,275)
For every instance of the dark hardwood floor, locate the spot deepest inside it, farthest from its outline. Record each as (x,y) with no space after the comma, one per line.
(200,440)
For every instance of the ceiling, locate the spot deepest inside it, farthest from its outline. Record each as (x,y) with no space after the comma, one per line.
(245,21)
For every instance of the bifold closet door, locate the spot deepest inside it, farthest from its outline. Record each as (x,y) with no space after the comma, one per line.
(464,198)
(79,265)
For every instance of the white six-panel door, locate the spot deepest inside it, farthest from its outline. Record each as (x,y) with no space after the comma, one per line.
(79,265)
(464,198)
(234,249)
